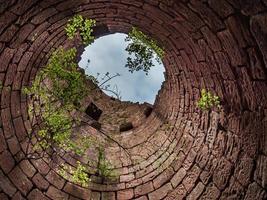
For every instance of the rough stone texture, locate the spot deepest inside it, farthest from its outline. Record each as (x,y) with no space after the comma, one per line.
(177,151)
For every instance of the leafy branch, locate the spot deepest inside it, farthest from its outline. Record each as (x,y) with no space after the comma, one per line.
(82,26)
(144,50)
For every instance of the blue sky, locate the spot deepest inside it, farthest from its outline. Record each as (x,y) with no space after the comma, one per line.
(107,54)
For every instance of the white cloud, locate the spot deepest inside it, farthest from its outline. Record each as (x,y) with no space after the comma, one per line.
(107,54)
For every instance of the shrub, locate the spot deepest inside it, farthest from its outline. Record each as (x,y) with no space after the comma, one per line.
(77,175)
(208,100)
(56,91)
(84,27)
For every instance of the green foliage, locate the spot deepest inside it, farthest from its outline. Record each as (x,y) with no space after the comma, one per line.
(208,100)
(104,166)
(56,91)
(144,50)
(77,175)
(82,26)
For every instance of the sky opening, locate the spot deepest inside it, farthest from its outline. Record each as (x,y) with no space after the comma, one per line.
(107,54)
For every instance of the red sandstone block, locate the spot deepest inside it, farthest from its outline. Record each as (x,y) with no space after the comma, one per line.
(108,195)
(222,173)
(21,6)
(5,58)
(77,191)
(191,177)
(5,97)
(18,196)
(134,183)
(125,194)
(9,33)
(3,145)
(19,128)
(161,192)
(6,19)
(143,189)
(24,61)
(43,15)
(17,81)
(55,179)
(196,192)
(6,185)
(211,192)
(54,193)
(19,53)
(207,14)
(69,4)
(222,8)
(10,75)
(41,40)
(13,145)
(127,178)
(178,193)
(41,166)
(27,168)
(3,196)
(6,161)
(142,198)
(36,195)
(21,35)
(211,39)
(40,182)
(7,124)
(95,196)
(20,180)
(163,177)
(178,177)
(15,104)
(231,47)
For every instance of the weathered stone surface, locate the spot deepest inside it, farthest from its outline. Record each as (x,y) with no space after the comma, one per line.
(178,151)
(178,177)
(55,179)
(54,193)
(6,185)
(40,181)
(143,189)
(20,180)
(5,58)
(37,194)
(222,173)
(161,192)
(77,191)
(211,192)
(196,192)
(125,194)
(6,161)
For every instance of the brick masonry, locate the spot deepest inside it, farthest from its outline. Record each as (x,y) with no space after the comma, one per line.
(177,152)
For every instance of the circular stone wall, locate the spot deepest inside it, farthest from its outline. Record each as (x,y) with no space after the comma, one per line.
(179,151)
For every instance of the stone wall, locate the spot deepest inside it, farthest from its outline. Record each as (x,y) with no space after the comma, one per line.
(179,151)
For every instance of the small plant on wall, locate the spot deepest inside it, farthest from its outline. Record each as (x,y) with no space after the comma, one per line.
(77,175)
(104,167)
(144,50)
(80,25)
(208,100)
